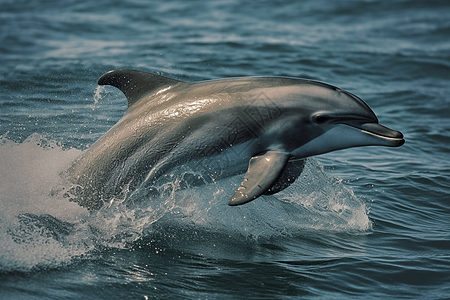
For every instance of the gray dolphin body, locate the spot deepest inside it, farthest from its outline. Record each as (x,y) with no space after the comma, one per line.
(264,126)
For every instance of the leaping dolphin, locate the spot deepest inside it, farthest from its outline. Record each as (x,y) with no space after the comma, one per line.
(264,126)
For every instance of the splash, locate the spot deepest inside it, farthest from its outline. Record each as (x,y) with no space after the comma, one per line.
(41,229)
(98,95)
(314,202)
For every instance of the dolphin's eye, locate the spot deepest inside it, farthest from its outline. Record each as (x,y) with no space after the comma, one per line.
(321,118)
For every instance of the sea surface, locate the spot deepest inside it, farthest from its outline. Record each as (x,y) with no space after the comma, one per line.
(361,223)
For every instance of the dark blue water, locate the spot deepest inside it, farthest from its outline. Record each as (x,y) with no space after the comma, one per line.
(366,223)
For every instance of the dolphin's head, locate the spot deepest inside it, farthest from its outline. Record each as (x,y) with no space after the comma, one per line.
(335,119)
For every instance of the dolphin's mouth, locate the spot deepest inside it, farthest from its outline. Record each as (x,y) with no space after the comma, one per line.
(391,137)
(368,125)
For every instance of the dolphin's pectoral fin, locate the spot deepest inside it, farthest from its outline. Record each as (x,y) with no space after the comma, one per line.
(135,84)
(290,173)
(262,172)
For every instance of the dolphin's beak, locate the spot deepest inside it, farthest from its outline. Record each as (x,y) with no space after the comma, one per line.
(391,138)
(367,124)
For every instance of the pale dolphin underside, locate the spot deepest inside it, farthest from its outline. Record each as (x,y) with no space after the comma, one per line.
(264,126)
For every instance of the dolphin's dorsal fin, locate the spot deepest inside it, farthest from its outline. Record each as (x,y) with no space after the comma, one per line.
(135,84)
(262,172)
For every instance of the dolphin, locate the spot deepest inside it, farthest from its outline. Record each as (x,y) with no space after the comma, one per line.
(263,126)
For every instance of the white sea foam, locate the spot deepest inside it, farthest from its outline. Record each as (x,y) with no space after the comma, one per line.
(29,171)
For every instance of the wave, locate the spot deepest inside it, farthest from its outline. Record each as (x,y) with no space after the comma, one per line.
(41,229)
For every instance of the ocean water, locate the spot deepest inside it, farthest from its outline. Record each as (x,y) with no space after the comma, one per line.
(367,223)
